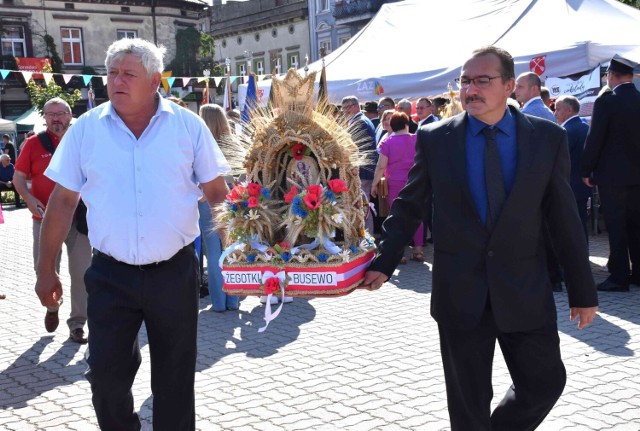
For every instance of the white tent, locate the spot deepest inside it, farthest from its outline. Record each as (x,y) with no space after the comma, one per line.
(8,127)
(415,47)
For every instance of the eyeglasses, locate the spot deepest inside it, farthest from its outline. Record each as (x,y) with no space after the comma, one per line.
(55,114)
(479,81)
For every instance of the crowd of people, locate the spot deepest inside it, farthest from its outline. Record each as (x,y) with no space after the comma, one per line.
(495,179)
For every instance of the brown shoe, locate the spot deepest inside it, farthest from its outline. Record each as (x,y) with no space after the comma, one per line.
(51,321)
(77,336)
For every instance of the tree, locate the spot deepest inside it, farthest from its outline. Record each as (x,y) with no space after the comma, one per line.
(194,53)
(633,3)
(39,95)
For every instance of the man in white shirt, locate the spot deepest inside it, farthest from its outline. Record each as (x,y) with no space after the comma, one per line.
(137,160)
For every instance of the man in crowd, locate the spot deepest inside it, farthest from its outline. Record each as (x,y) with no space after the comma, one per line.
(8,147)
(33,161)
(528,95)
(496,177)
(363,134)
(612,156)
(545,95)
(566,113)
(140,184)
(424,110)
(384,104)
(371,112)
(405,106)
(6,177)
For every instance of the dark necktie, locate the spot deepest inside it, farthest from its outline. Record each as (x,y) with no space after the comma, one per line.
(493,178)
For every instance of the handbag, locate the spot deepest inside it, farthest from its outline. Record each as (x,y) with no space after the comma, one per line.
(383,197)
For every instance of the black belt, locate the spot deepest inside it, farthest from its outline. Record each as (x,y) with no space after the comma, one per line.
(147,266)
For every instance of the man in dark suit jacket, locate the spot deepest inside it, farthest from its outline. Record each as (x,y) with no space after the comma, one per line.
(424,110)
(566,113)
(489,270)
(405,106)
(612,155)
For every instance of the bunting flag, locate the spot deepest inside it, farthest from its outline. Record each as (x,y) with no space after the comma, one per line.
(86,79)
(323,95)
(26,76)
(165,83)
(4,73)
(251,100)
(91,100)
(205,92)
(227,105)
(185,82)
(67,77)
(47,77)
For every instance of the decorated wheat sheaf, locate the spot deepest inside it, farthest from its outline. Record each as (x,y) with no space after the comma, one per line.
(297,221)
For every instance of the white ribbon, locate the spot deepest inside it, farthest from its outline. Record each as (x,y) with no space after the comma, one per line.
(256,244)
(330,246)
(311,246)
(268,316)
(233,247)
(372,208)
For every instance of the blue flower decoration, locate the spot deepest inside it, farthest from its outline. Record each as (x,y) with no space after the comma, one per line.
(329,194)
(233,207)
(266,193)
(251,258)
(353,249)
(322,257)
(244,204)
(286,256)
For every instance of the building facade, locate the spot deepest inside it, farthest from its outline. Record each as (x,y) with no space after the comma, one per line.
(261,36)
(81,31)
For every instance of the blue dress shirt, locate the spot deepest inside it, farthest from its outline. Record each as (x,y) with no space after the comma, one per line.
(507,147)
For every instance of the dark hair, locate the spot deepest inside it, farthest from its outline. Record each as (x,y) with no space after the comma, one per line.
(6,136)
(424,99)
(506,60)
(399,121)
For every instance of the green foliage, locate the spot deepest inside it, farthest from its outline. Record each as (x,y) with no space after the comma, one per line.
(194,53)
(56,61)
(40,94)
(633,3)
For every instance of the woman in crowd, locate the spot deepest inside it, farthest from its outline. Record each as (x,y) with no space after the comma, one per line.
(396,158)
(385,123)
(216,119)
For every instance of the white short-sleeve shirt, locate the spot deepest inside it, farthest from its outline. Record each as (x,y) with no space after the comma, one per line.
(141,193)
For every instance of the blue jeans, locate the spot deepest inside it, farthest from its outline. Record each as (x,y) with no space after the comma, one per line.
(211,240)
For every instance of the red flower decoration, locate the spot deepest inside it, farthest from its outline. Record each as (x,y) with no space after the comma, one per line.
(288,197)
(337,185)
(285,245)
(252,202)
(315,189)
(254,189)
(236,194)
(298,151)
(272,285)
(312,201)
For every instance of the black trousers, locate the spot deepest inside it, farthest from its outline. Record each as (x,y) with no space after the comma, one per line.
(534,362)
(165,298)
(621,209)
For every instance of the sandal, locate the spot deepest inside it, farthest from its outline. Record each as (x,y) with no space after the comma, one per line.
(418,256)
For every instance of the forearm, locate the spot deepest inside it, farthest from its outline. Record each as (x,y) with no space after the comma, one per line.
(20,184)
(55,227)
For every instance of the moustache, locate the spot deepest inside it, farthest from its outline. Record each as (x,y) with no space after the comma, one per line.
(470,99)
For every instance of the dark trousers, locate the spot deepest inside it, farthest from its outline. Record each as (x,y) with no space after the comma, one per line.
(535,365)
(621,208)
(165,298)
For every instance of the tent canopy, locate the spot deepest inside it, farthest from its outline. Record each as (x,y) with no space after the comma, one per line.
(7,126)
(30,120)
(569,36)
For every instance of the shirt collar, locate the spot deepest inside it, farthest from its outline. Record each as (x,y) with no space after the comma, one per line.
(569,119)
(506,125)
(530,101)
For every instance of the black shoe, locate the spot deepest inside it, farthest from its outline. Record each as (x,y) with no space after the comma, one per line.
(610,286)
(51,321)
(557,286)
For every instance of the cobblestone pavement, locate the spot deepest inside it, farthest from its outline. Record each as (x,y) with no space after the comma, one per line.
(367,361)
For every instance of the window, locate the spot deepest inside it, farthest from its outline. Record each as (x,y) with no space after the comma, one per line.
(72,46)
(239,40)
(258,67)
(276,65)
(292,29)
(69,6)
(257,37)
(13,42)
(242,69)
(292,60)
(125,9)
(127,34)
(322,5)
(343,40)
(325,47)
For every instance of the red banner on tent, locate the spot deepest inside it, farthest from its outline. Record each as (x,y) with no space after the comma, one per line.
(537,65)
(32,64)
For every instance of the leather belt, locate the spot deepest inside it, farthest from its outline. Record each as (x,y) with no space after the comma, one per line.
(144,267)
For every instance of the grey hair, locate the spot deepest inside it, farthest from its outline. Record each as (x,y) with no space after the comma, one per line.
(150,56)
(571,101)
(404,103)
(5,156)
(56,101)
(350,99)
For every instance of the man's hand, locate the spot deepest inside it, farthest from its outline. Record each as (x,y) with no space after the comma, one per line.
(49,289)
(587,181)
(373,280)
(585,316)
